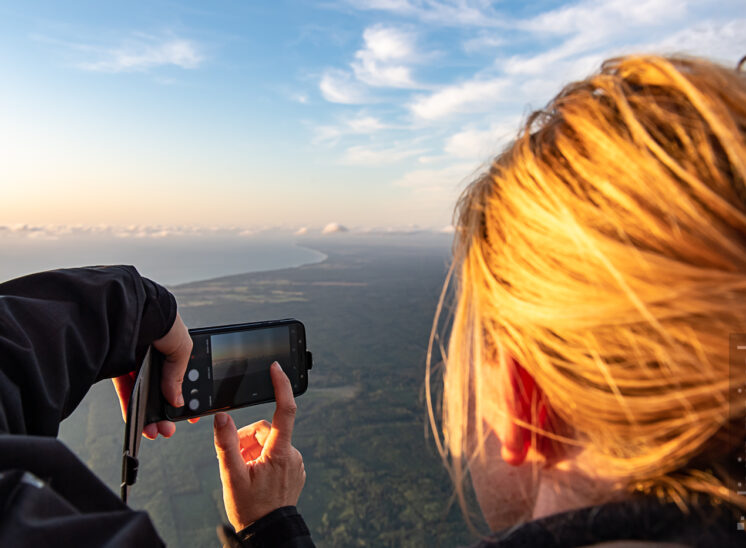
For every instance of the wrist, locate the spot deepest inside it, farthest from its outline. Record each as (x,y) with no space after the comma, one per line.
(275,528)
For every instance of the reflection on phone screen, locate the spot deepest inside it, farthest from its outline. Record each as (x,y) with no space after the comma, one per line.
(240,363)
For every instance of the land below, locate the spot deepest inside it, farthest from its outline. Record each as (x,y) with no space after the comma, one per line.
(374,477)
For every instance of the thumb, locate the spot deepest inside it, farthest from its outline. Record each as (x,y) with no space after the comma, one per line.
(227,446)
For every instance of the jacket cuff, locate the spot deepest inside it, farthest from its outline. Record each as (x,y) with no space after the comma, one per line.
(283,526)
(158,316)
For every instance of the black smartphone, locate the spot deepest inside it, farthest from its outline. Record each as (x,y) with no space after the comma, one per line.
(229,368)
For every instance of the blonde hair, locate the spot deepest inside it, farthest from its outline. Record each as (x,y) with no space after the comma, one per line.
(605,250)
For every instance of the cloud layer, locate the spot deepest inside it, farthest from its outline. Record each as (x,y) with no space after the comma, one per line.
(507,65)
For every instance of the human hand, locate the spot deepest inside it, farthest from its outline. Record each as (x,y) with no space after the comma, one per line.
(176,346)
(259,468)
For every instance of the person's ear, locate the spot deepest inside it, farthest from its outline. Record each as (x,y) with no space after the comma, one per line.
(521,398)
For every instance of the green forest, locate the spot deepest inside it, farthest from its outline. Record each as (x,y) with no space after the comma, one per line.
(374,477)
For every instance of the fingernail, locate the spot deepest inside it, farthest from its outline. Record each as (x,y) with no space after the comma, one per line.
(180,400)
(276,365)
(221,419)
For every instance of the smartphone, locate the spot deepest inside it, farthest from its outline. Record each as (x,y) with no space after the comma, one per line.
(229,368)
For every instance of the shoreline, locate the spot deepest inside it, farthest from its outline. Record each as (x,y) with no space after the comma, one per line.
(321,257)
(433,240)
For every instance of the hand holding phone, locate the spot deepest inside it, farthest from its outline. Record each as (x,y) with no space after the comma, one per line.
(259,468)
(176,347)
(228,368)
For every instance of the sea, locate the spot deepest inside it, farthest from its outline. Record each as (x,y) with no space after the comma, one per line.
(169,260)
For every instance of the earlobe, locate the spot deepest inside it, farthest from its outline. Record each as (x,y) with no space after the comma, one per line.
(518,395)
(514,456)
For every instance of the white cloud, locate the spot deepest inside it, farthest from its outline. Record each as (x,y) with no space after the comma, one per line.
(383,60)
(406,230)
(447,178)
(470,96)
(449,13)
(52,231)
(484,41)
(426,160)
(324,134)
(724,41)
(554,48)
(55,231)
(144,53)
(605,17)
(369,156)
(365,124)
(301,231)
(437,189)
(481,144)
(468,143)
(597,29)
(338,86)
(387,44)
(360,125)
(334,228)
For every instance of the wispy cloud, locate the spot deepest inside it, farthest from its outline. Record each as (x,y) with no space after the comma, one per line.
(448,13)
(383,60)
(339,86)
(143,54)
(376,156)
(437,189)
(359,125)
(470,96)
(592,28)
(136,52)
(604,17)
(720,41)
(445,179)
(56,231)
(484,41)
(473,143)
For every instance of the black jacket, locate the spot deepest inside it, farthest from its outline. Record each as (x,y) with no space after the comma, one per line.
(640,518)
(60,332)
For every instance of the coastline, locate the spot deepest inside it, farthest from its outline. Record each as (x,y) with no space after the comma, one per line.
(180,261)
(320,258)
(323,255)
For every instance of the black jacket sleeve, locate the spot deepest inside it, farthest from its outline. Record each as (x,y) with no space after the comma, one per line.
(61,331)
(281,528)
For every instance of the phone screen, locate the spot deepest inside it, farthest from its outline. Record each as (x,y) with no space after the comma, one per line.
(240,362)
(230,368)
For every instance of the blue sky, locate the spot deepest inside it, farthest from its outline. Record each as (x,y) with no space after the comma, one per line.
(250,114)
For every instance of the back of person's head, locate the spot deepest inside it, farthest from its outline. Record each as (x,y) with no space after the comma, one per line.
(605,251)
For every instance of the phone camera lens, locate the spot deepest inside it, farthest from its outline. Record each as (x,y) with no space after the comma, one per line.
(193,404)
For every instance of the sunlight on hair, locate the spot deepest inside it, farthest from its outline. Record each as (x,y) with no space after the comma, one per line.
(605,250)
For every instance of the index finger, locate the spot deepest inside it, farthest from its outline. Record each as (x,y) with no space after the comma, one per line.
(282,421)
